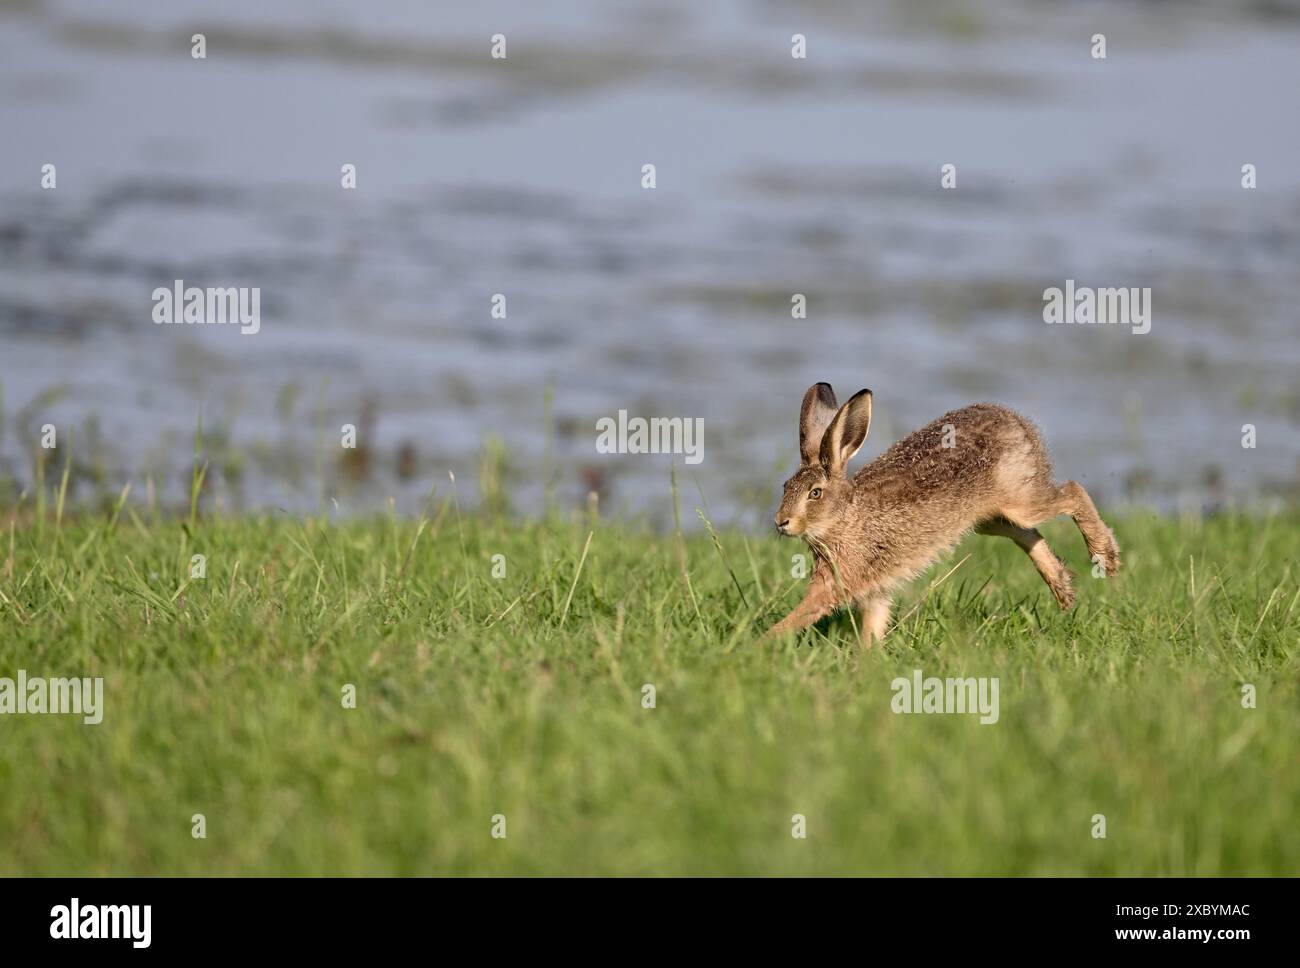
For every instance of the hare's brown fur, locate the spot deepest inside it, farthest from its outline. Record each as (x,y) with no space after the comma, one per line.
(981,468)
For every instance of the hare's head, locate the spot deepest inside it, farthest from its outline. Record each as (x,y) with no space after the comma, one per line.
(818,492)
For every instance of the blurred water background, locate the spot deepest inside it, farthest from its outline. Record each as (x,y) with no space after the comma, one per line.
(523,176)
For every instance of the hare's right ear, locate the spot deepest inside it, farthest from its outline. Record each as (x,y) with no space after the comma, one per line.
(815,416)
(846,433)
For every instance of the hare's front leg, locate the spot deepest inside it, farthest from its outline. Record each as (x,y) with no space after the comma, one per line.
(875,617)
(817,604)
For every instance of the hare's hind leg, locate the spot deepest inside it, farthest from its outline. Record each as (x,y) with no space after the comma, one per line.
(1033,544)
(1070,498)
(1102,546)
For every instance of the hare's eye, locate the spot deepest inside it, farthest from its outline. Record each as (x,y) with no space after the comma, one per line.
(815,493)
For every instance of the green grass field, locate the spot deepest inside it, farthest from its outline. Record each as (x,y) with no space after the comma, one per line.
(521,695)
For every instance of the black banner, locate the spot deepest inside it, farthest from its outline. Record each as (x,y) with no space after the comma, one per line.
(334,917)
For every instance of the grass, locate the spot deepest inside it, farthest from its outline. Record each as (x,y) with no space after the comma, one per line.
(522,695)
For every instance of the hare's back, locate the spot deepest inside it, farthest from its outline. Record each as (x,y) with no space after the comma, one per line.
(968,448)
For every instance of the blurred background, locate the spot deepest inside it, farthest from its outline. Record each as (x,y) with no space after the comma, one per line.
(522,176)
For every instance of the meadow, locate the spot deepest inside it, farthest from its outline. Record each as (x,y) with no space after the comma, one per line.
(499,669)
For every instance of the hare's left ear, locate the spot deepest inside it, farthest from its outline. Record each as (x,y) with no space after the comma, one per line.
(845,435)
(815,415)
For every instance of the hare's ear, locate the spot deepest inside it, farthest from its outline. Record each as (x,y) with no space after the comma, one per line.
(815,416)
(846,433)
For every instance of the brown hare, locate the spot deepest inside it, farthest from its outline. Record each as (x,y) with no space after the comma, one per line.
(982,467)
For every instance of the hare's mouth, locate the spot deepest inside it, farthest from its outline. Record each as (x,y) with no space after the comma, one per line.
(812,534)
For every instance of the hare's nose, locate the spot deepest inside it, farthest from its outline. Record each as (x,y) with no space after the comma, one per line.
(782,525)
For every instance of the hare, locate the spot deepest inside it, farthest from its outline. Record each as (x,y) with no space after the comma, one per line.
(982,467)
